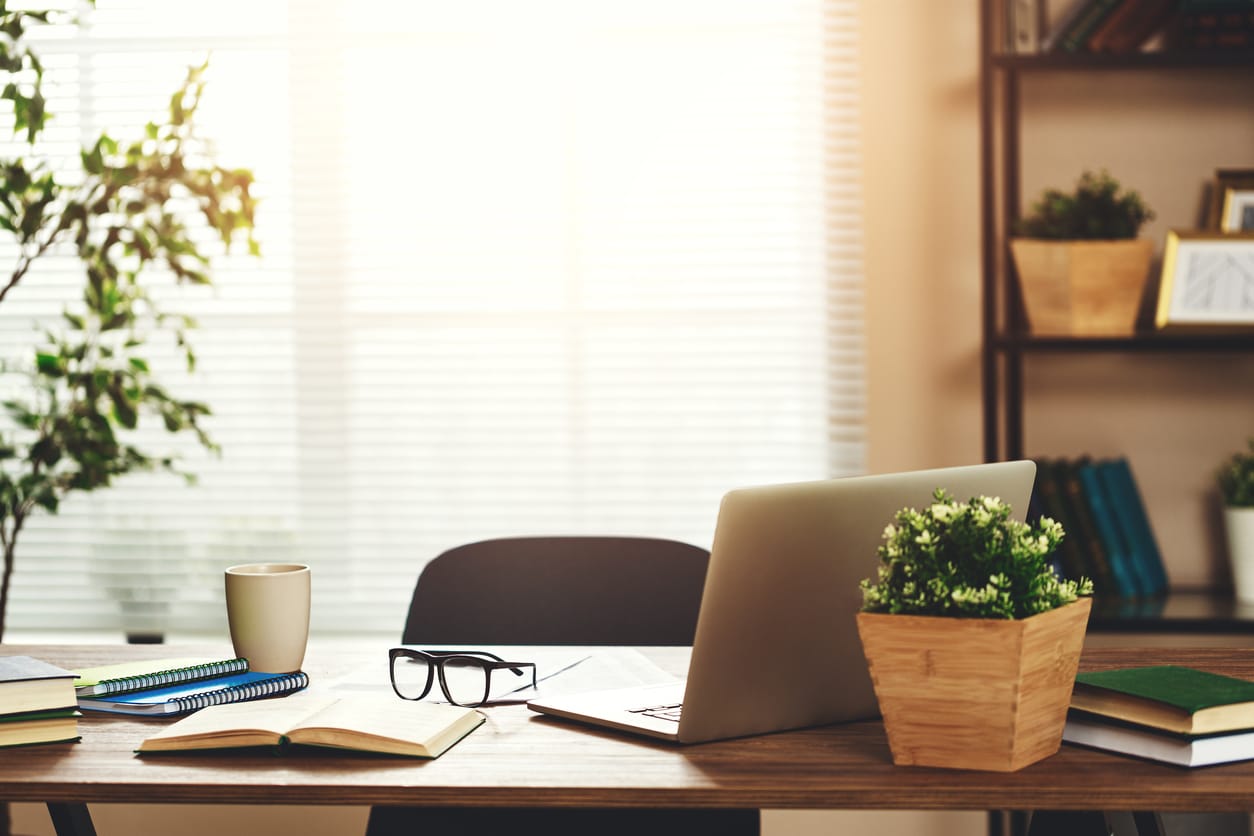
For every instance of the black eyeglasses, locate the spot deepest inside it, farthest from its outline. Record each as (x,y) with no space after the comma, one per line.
(465,675)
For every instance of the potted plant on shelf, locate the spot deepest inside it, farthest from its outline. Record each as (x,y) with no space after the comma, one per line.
(1081,266)
(1236,488)
(971,639)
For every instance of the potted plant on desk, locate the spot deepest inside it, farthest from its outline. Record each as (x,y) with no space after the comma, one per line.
(1081,266)
(1236,487)
(971,639)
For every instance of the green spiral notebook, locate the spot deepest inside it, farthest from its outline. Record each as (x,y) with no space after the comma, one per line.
(151,673)
(186,697)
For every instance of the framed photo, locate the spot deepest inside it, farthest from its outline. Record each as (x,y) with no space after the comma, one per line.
(1207,281)
(1230,193)
(1237,214)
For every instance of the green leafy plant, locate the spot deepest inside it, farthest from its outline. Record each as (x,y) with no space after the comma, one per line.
(1097,209)
(136,210)
(968,560)
(1236,479)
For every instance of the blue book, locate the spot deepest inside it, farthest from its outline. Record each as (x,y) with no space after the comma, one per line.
(1129,513)
(189,696)
(1126,580)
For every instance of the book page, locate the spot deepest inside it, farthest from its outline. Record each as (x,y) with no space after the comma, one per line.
(370,722)
(253,723)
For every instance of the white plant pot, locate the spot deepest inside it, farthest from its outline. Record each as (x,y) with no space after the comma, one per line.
(1239,526)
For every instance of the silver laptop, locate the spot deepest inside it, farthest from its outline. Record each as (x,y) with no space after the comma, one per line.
(777,645)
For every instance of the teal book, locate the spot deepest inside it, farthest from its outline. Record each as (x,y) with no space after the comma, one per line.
(1127,582)
(190,696)
(1129,512)
(1168,697)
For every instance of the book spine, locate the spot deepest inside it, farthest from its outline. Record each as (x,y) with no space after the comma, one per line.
(1071,553)
(1131,507)
(1126,581)
(1074,39)
(1086,530)
(175,676)
(284,684)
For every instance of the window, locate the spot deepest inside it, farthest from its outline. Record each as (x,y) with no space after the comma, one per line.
(553,266)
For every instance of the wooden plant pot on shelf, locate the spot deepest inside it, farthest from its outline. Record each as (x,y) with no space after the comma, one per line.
(1082,288)
(974,693)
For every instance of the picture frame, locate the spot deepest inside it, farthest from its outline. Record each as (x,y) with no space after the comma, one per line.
(1237,214)
(1207,282)
(1229,181)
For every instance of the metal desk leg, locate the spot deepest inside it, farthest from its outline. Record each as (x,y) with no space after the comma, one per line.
(71,819)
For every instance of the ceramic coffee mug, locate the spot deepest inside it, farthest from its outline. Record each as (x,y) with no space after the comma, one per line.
(267,605)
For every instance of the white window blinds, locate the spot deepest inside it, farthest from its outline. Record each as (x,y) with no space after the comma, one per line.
(552,266)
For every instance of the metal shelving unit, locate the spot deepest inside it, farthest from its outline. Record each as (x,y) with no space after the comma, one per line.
(1005,338)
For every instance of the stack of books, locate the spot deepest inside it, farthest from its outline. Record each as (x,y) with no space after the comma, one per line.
(37,702)
(1165,713)
(1108,533)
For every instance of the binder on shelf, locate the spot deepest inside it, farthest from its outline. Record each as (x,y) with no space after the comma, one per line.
(154,673)
(190,696)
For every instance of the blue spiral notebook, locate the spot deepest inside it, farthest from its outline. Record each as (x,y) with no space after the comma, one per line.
(189,696)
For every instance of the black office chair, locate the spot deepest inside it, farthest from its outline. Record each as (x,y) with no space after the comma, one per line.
(625,591)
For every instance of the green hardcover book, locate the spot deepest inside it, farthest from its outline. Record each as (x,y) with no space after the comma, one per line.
(1170,697)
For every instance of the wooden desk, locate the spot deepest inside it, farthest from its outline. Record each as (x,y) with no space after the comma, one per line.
(520,759)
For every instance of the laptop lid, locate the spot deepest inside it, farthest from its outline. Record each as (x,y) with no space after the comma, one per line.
(777,644)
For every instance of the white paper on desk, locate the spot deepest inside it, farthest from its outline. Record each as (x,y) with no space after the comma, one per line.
(605,668)
(549,662)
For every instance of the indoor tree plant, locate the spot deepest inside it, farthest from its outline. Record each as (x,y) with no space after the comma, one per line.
(1081,266)
(134,215)
(1235,479)
(971,639)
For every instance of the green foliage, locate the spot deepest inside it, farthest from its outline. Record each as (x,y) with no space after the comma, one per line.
(968,560)
(1096,210)
(1236,479)
(135,208)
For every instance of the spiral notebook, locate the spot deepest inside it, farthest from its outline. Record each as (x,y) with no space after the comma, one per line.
(123,677)
(185,697)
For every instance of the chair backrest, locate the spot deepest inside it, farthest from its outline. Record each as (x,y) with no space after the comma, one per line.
(631,591)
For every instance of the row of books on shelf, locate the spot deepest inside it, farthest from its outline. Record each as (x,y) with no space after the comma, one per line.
(1123,27)
(222,704)
(1108,536)
(1166,713)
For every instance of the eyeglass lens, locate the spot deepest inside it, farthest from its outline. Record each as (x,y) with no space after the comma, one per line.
(462,680)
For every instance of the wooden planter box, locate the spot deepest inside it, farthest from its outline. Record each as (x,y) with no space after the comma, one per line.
(974,693)
(1082,288)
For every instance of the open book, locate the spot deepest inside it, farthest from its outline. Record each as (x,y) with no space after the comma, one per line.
(387,725)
